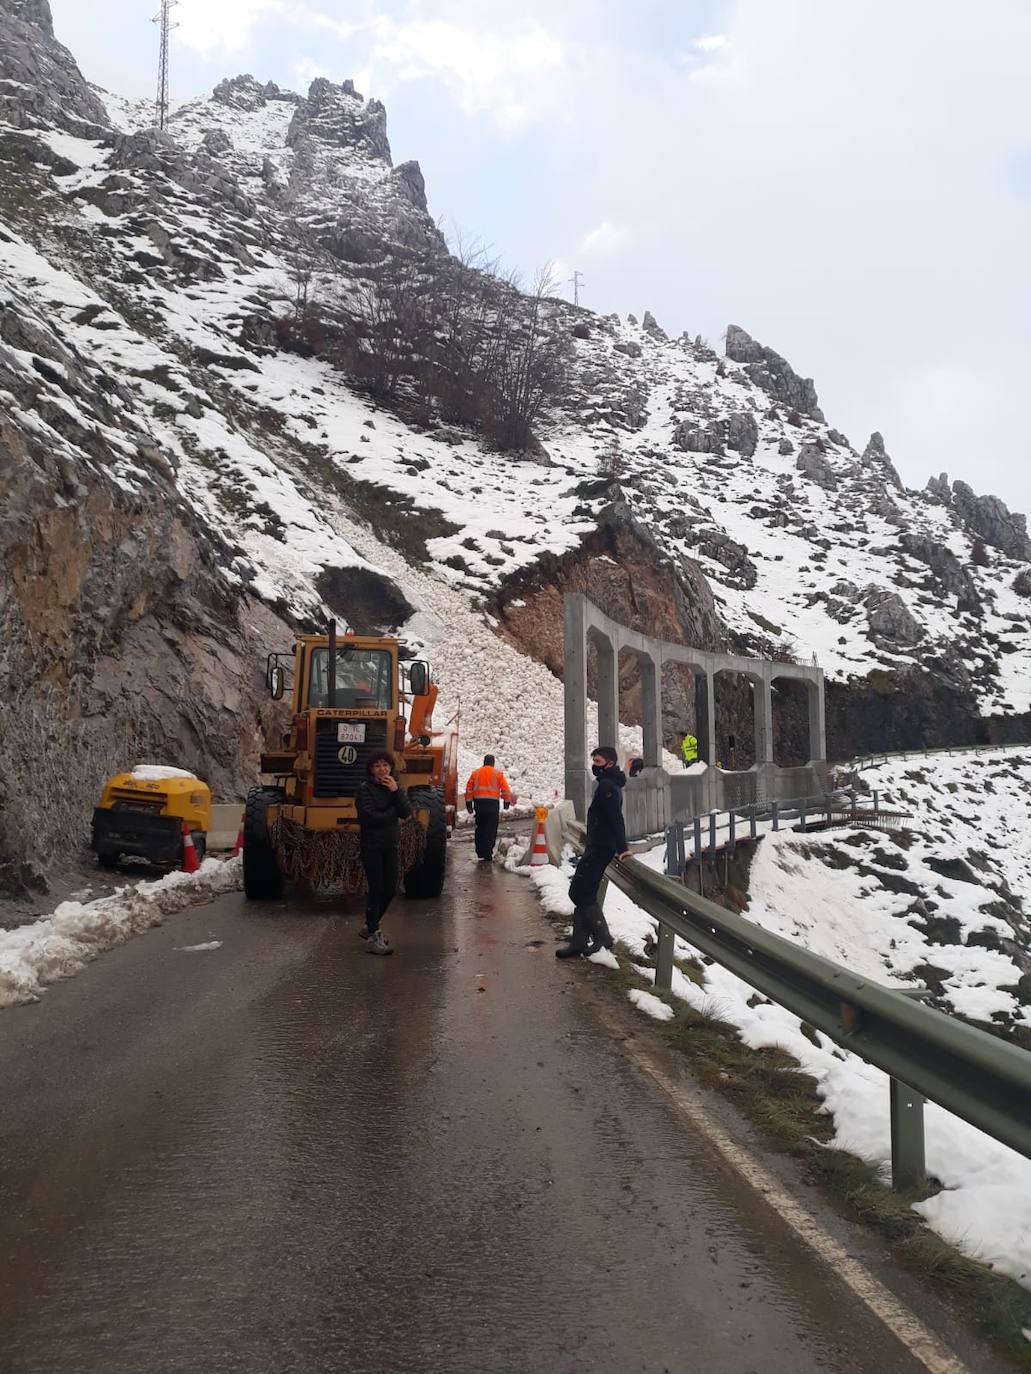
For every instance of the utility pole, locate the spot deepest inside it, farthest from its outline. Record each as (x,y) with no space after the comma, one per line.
(165,21)
(577,281)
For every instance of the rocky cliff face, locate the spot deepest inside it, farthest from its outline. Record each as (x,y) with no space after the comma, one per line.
(182,444)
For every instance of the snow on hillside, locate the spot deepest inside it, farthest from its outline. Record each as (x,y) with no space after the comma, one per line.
(175,262)
(841,894)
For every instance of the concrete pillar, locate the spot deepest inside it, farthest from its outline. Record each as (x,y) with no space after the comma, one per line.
(817,721)
(577,777)
(651,709)
(705,715)
(608,691)
(762,716)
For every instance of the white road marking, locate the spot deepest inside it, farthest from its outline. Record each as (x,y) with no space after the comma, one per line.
(918,1339)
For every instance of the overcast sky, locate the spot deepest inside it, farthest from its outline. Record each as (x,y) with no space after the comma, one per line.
(851,182)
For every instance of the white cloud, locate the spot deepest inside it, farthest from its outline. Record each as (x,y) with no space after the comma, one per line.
(710,42)
(604,239)
(207,25)
(501,73)
(307,71)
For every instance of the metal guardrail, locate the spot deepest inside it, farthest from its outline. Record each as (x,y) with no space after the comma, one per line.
(871,760)
(925,1053)
(704,831)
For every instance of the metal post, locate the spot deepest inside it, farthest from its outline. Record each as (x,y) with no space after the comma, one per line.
(876,804)
(907,1137)
(751,820)
(731,829)
(801,814)
(681,854)
(671,853)
(664,958)
(698,839)
(827,806)
(853,795)
(712,831)
(775,812)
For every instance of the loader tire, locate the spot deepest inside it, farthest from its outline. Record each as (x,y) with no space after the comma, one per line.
(426,879)
(262,880)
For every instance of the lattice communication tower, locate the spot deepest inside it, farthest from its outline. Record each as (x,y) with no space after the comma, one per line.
(164,19)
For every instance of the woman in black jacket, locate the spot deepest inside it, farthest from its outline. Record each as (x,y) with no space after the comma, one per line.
(606,840)
(382,806)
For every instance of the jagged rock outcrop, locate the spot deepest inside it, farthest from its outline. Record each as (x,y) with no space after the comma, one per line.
(742,433)
(771,372)
(875,457)
(892,625)
(244,93)
(949,573)
(39,78)
(939,490)
(815,466)
(738,432)
(991,518)
(985,517)
(339,116)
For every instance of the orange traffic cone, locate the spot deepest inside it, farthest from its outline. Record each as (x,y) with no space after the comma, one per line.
(539,853)
(190,864)
(238,846)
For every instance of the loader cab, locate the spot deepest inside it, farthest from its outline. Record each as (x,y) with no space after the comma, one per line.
(365,678)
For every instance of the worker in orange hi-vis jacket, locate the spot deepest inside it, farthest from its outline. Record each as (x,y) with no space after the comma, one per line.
(485,792)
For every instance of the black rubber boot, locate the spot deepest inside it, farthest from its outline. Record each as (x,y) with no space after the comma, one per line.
(578,941)
(598,929)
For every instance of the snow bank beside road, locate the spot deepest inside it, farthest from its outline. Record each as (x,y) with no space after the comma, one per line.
(61,945)
(832,892)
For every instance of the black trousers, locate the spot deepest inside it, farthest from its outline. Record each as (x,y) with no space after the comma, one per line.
(381,874)
(488,813)
(587,876)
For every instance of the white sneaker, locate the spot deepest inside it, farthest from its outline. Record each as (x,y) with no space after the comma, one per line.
(378,944)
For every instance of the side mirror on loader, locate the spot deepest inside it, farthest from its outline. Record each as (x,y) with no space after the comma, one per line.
(419,678)
(276,683)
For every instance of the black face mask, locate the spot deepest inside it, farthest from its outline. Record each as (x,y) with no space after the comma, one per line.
(598,770)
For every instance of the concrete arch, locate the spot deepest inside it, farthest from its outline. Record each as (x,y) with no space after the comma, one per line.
(651,799)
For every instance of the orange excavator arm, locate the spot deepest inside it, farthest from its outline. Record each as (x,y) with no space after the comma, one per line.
(421,722)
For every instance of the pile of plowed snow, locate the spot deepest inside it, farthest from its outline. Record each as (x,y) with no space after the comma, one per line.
(61,945)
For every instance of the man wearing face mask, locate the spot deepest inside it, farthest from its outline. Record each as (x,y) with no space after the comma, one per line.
(606,840)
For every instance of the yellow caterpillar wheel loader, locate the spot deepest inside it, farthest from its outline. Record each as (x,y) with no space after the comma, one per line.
(349,702)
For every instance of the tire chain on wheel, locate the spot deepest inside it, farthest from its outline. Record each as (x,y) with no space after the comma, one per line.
(331,860)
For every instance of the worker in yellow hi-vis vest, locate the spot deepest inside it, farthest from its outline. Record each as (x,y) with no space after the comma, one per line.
(689,749)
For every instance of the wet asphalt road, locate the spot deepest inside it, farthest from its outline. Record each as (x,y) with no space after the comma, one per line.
(286,1155)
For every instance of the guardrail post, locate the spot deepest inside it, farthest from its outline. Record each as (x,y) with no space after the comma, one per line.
(671,853)
(697,839)
(801,815)
(664,958)
(712,831)
(876,804)
(827,806)
(731,829)
(853,805)
(775,812)
(681,854)
(908,1168)
(751,820)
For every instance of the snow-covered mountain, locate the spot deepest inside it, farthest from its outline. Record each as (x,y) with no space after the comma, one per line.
(193,445)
